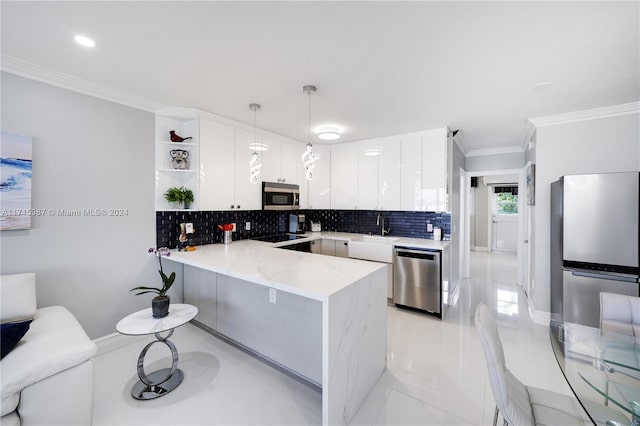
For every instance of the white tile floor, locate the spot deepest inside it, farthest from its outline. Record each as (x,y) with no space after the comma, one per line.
(436,373)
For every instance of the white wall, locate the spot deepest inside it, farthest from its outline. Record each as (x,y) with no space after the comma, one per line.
(481,215)
(456,162)
(594,146)
(87,153)
(510,160)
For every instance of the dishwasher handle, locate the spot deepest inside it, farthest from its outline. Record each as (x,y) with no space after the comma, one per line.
(419,254)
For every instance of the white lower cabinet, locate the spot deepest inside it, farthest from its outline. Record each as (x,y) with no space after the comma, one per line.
(288,331)
(200,290)
(338,248)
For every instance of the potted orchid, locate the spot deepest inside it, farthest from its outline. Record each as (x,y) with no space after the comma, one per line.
(160,303)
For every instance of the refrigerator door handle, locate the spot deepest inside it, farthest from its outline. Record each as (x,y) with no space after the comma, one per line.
(600,276)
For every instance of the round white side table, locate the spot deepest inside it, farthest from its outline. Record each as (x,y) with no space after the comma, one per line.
(165,380)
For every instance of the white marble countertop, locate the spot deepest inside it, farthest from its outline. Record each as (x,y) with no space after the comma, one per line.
(347,236)
(306,274)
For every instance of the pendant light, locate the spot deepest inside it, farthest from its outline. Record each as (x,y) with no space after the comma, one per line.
(308,158)
(254,164)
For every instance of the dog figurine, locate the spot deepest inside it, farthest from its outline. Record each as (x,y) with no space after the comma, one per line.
(180,159)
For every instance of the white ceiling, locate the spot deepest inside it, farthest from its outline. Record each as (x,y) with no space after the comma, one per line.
(381,68)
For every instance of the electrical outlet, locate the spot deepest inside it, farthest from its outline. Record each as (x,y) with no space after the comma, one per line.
(429,227)
(233,227)
(272,295)
(247,226)
(189,228)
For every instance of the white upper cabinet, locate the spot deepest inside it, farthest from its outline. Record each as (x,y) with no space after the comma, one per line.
(316,193)
(434,170)
(368,158)
(344,176)
(217,168)
(248,195)
(280,157)
(389,171)
(411,171)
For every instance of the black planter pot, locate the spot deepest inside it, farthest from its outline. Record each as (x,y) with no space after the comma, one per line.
(160,306)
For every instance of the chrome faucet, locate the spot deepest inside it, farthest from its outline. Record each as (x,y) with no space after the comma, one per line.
(380,221)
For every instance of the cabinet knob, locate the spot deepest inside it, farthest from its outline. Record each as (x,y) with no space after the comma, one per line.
(346,244)
(238,206)
(279,180)
(232,206)
(283,180)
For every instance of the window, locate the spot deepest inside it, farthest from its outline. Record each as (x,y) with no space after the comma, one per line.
(506,201)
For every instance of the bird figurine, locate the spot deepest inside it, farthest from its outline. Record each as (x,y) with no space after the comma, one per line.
(176,138)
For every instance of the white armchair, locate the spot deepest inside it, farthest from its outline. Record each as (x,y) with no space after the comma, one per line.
(48,378)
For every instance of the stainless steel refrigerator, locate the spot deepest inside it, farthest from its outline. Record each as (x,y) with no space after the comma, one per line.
(595,243)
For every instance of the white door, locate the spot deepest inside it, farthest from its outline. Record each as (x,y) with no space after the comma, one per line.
(368,155)
(504,221)
(389,163)
(319,188)
(411,172)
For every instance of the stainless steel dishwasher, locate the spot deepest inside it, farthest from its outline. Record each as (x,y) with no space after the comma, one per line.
(417,279)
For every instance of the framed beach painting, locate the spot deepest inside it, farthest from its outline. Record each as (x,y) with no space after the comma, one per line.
(530,177)
(15,184)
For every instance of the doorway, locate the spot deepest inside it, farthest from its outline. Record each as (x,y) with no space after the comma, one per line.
(479,214)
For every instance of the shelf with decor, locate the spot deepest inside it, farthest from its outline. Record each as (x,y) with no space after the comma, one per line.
(176,163)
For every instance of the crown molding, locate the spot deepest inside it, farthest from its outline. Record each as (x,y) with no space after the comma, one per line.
(588,114)
(31,71)
(495,151)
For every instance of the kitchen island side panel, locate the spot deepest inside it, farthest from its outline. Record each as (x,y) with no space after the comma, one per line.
(354,345)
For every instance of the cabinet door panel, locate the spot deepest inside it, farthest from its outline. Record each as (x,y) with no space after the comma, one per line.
(368,157)
(434,170)
(342,248)
(191,288)
(344,176)
(319,188)
(271,159)
(411,172)
(208,298)
(328,247)
(248,196)
(289,164)
(389,172)
(217,150)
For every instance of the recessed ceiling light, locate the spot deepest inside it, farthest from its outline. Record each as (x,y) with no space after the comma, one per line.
(542,85)
(84,41)
(329,133)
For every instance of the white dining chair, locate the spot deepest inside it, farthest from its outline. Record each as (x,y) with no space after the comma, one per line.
(526,405)
(620,314)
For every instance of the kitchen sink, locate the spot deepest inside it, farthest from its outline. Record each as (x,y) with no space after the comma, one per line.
(379,239)
(379,251)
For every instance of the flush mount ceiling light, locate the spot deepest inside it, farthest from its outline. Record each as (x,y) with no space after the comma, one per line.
(308,158)
(373,152)
(329,133)
(258,146)
(84,41)
(254,164)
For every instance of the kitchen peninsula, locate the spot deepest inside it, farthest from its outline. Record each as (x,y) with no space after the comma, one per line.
(334,310)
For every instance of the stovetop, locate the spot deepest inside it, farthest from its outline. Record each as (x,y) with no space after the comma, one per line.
(278,238)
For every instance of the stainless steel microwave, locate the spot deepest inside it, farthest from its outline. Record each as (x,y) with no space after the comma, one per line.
(280,196)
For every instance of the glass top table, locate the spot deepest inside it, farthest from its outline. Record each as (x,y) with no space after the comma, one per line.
(600,368)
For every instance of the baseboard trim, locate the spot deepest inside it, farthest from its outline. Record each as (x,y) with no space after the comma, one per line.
(114,341)
(538,317)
